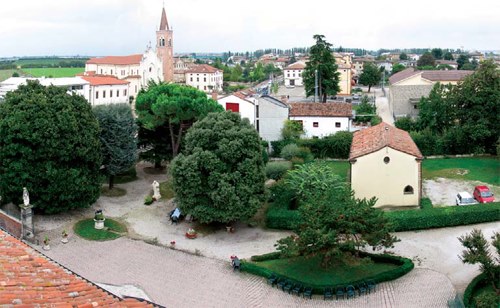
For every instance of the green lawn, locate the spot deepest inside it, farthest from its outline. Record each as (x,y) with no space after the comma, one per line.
(341,168)
(484,169)
(6,74)
(166,190)
(54,71)
(46,61)
(112,230)
(309,270)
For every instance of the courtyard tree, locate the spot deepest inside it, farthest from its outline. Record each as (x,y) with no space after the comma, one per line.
(322,63)
(403,56)
(292,130)
(175,106)
(371,75)
(219,176)
(118,139)
(477,251)
(396,68)
(154,144)
(49,143)
(334,224)
(427,59)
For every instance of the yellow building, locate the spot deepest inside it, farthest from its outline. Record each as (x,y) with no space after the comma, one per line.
(386,164)
(344,63)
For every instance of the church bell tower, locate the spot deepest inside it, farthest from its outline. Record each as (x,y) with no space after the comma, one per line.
(165,48)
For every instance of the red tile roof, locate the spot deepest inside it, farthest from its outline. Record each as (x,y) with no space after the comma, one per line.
(117,60)
(299,65)
(399,76)
(383,135)
(30,279)
(320,109)
(96,80)
(451,75)
(203,69)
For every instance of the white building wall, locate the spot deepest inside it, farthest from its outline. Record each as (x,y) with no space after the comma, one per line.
(203,81)
(247,109)
(119,71)
(109,94)
(151,68)
(326,125)
(372,177)
(295,75)
(270,119)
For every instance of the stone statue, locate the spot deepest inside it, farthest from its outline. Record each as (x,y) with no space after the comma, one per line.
(26,196)
(156,190)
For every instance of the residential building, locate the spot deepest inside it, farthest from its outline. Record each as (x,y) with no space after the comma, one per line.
(270,117)
(410,85)
(72,84)
(107,90)
(241,103)
(205,77)
(452,63)
(322,119)
(386,164)
(181,66)
(293,74)
(344,68)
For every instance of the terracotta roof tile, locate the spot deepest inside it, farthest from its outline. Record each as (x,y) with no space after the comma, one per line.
(117,60)
(451,75)
(299,65)
(399,76)
(320,109)
(383,135)
(204,69)
(97,80)
(28,279)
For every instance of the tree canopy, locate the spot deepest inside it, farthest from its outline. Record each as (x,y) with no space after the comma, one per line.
(403,56)
(49,143)
(371,75)
(426,59)
(321,61)
(175,106)
(118,138)
(219,176)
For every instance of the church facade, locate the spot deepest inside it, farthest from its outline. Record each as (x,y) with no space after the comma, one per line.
(139,69)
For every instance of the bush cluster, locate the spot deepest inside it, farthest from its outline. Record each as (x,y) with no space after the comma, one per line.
(478,281)
(277,169)
(404,266)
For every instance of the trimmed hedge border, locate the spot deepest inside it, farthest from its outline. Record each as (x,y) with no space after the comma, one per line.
(478,281)
(407,220)
(405,266)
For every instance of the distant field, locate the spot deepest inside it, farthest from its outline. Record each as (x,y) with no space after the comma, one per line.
(5,74)
(54,72)
(45,61)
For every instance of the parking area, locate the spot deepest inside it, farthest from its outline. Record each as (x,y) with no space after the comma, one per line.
(442,191)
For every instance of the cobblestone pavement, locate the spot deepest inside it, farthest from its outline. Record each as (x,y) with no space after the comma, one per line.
(177,279)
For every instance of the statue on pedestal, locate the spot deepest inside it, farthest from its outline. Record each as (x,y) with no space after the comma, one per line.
(156,190)
(26,197)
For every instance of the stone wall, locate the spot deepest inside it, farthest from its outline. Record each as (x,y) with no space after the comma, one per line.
(10,224)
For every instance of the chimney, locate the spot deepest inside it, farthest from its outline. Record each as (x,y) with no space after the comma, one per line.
(214,95)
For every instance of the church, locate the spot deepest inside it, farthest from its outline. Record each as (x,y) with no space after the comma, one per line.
(139,69)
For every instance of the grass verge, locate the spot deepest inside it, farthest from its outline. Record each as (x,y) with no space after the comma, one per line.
(166,190)
(484,169)
(112,230)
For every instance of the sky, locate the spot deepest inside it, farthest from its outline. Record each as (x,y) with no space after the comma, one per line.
(121,27)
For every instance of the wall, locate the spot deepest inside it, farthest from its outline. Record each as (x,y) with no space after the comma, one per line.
(203,81)
(271,119)
(399,99)
(121,98)
(119,71)
(326,125)
(345,81)
(10,224)
(247,109)
(295,75)
(372,177)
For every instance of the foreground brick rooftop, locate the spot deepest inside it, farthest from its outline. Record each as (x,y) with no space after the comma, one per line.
(29,279)
(320,110)
(383,135)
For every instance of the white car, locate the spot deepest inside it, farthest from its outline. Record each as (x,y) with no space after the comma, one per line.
(464,198)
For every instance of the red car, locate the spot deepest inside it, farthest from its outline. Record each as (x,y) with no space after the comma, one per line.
(483,194)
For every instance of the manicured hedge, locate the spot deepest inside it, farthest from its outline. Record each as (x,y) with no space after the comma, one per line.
(405,265)
(444,216)
(337,145)
(477,282)
(279,217)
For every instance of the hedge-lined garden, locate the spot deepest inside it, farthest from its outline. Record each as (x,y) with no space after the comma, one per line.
(267,264)
(476,287)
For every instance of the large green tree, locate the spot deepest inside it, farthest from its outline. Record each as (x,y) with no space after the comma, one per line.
(334,223)
(219,176)
(49,143)
(448,56)
(321,61)
(437,111)
(371,75)
(396,68)
(427,59)
(437,53)
(154,144)
(118,133)
(175,106)
(403,56)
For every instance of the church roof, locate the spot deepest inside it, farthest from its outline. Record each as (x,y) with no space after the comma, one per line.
(117,60)
(164,22)
(100,80)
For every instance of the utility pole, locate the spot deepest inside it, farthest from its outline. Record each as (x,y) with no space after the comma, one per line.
(315,85)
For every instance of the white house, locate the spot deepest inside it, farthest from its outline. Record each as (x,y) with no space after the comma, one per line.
(322,119)
(72,84)
(241,103)
(107,90)
(386,164)
(205,77)
(293,74)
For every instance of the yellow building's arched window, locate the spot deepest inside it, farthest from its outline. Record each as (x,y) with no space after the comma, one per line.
(408,190)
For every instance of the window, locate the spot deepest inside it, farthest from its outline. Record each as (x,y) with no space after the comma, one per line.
(408,190)
(101,71)
(111,72)
(169,42)
(191,79)
(117,93)
(150,69)
(387,159)
(257,111)
(234,107)
(110,93)
(197,79)
(315,124)
(205,79)
(125,92)
(337,124)
(205,88)
(257,125)
(96,94)
(104,94)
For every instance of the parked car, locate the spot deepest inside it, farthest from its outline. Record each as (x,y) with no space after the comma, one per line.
(464,198)
(483,194)
(356,97)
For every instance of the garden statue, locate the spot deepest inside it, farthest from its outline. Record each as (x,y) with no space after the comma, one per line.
(26,196)
(156,190)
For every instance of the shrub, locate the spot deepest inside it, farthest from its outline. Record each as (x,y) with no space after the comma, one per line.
(477,282)
(426,203)
(267,256)
(444,216)
(148,200)
(278,145)
(277,169)
(333,146)
(289,151)
(282,218)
